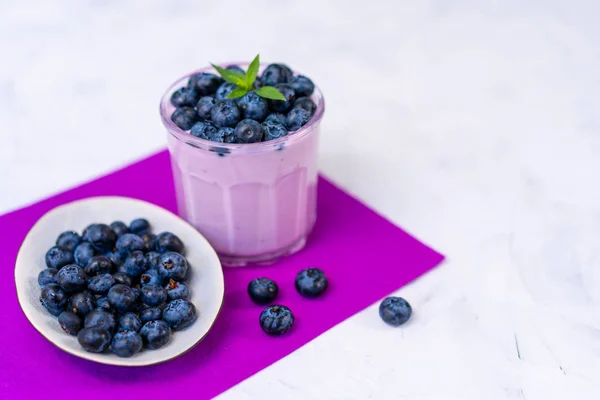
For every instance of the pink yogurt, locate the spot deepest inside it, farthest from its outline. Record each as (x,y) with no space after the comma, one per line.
(253,202)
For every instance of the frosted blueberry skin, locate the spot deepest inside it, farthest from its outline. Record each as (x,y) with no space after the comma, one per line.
(126,343)
(276,320)
(155,334)
(94,340)
(68,240)
(395,311)
(179,314)
(311,282)
(57,257)
(262,290)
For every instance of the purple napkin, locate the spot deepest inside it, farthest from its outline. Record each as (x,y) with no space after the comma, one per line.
(364,256)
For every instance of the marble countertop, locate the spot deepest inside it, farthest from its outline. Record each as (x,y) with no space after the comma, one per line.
(472,124)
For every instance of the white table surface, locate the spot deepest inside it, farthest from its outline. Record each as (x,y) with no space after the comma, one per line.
(475,125)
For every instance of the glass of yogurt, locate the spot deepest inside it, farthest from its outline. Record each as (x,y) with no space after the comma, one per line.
(254,202)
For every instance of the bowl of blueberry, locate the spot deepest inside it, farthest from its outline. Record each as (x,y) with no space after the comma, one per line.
(118,281)
(243,140)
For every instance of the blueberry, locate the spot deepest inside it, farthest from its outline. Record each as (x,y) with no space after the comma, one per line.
(273,130)
(204,83)
(257,84)
(123,278)
(121,297)
(82,303)
(221,151)
(172,266)
(311,282)
(153,295)
(262,290)
(184,117)
(223,135)
(100,236)
(275,74)
(101,284)
(47,276)
(236,68)
(167,241)
(68,240)
(94,340)
(99,265)
(276,117)
(177,290)
(126,344)
(72,278)
(281,105)
(121,268)
(302,85)
(136,263)
(83,253)
(151,277)
(136,291)
(179,314)
(288,71)
(139,225)
(153,258)
(297,118)
(148,239)
(150,314)
(130,242)
(129,322)
(306,103)
(103,304)
(205,104)
(224,90)
(276,320)
(249,131)
(395,311)
(54,298)
(116,257)
(253,106)
(204,130)
(70,322)
(185,97)
(119,228)
(225,113)
(155,334)
(100,318)
(58,257)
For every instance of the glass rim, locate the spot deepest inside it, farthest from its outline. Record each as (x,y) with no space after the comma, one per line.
(208,145)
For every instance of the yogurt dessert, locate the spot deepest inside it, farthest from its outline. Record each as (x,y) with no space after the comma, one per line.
(245,167)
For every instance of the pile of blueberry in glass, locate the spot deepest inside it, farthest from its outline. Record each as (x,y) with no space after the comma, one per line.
(240,107)
(118,287)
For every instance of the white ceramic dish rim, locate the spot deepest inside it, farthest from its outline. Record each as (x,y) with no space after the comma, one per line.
(29,311)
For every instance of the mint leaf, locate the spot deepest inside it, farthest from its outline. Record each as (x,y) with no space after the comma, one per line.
(270,92)
(252,71)
(231,76)
(237,92)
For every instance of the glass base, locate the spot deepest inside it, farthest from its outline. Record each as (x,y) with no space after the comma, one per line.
(263,259)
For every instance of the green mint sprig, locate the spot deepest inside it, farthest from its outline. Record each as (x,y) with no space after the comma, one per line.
(245,83)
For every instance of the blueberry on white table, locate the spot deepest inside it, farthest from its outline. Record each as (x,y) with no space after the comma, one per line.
(395,311)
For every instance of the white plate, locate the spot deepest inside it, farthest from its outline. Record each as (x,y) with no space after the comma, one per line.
(206,277)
